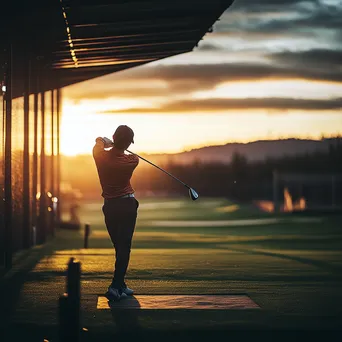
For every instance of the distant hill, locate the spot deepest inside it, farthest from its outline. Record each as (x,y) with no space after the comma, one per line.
(253,151)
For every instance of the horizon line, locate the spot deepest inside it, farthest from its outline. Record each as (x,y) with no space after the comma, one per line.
(190,149)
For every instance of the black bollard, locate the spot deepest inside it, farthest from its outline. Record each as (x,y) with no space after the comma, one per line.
(74,298)
(63,318)
(86,235)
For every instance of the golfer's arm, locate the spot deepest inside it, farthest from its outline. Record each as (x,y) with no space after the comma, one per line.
(98,149)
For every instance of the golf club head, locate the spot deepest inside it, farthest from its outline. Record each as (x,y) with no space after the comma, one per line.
(193,194)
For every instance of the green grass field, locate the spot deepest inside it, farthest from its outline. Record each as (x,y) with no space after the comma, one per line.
(181,223)
(290,265)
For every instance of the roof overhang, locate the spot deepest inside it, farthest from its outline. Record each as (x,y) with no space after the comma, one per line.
(65,42)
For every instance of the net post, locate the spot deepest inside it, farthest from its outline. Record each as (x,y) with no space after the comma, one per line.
(275,191)
(86,234)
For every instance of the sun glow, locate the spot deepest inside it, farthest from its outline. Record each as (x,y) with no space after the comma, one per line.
(273,88)
(176,132)
(85,119)
(81,125)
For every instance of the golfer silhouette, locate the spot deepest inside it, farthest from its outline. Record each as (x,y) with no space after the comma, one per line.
(115,169)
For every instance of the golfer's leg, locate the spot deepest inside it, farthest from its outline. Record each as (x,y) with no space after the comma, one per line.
(112,223)
(124,243)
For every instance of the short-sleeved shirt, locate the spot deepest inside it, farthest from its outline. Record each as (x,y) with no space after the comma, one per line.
(115,170)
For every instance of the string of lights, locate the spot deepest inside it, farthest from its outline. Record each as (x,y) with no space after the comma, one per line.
(70,42)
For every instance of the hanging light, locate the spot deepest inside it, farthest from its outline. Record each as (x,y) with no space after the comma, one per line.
(71,45)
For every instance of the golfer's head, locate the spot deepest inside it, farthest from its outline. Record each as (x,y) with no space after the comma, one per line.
(123,137)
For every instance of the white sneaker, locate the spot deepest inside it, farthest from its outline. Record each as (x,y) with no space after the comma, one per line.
(127,291)
(115,294)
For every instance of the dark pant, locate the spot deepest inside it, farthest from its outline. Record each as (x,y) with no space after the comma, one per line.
(120,217)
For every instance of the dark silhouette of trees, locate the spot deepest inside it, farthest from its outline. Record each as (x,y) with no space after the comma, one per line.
(241,180)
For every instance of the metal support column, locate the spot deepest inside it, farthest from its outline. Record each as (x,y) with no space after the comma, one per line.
(26,163)
(8,164)
(53,113)
(42,206)
(52,170)
(58,157)
(35,168)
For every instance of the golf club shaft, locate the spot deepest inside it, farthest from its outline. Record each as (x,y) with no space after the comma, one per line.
(169,174)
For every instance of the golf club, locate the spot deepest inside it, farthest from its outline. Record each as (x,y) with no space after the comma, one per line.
(193,194)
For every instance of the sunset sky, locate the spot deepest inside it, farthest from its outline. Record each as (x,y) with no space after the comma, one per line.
(271,69)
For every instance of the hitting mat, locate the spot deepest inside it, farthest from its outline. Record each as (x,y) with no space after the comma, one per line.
(193,302)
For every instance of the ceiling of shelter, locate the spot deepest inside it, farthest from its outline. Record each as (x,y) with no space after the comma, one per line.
(80,39)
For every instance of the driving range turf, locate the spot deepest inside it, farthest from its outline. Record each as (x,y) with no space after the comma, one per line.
(289,265)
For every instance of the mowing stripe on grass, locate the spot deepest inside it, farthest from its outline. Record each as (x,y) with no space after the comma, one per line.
(229,223)
(193,302)
(221,223)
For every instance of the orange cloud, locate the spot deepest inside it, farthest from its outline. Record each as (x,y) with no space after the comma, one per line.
(219,105)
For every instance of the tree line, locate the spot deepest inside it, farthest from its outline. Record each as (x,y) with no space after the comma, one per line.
(241,179)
